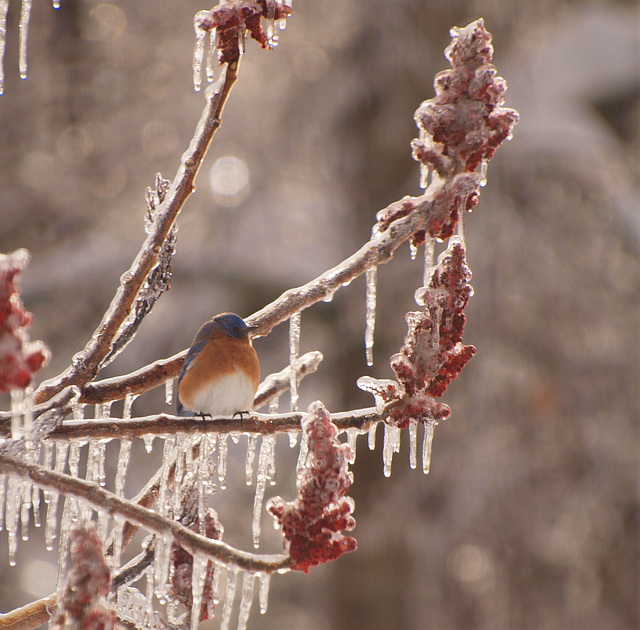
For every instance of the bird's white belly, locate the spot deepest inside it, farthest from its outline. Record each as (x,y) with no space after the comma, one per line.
(230,394)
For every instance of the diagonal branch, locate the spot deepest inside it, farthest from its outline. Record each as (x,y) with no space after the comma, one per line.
(87,362)
(153,522)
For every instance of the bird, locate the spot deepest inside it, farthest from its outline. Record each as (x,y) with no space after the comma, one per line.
(221,371)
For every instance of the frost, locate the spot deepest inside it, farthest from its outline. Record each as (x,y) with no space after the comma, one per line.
(294,350)
(370,316)
(266,467)
(230,593)
(248,583)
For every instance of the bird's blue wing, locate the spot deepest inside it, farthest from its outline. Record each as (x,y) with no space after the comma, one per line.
(193,352)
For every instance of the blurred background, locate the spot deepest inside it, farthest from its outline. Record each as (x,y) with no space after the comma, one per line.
(529,518)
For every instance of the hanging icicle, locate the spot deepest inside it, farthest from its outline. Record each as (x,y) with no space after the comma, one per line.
(294,351)
(198,51)
(370,317)
(198,575)
(390,446)
(25,16)
(252,441)
(4,10)
(266,466)
(426,446)
(168,391)
(263,592)
(248,583)
(230,593)
(413,443)
(222,461)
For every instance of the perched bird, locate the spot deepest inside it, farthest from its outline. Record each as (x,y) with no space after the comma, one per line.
(221,371)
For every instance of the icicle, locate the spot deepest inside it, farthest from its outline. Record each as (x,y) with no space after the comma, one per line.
(429,249)
(413,250)
(211,55)
(128,404)
(198,51)
(103,523)
(167,461)
(62,448)
(390,446)
(17,396)
(27,410)
(248,582)
(216,589)
(56,4)
(74,458)
(161,566)
(123,462)
(274,405)
(222,461)
(230,593)
(269,29)
(4,9)
(265,466)
(426,446)
(118,530)
(304,450)
(413,443)
(252,441)
(372,280)
(352,438)
(178,475)
(168,391)
(69,511)
(3,496)
(263,593)
(25,16)
(25,508)
(242,36)
(461,217)
(47,462)
(148,442)
(198,575)
(294,350)
(483,173)
(293,439)
(14,498)
(371,436)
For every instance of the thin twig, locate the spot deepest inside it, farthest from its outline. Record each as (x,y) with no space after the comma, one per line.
(87,362)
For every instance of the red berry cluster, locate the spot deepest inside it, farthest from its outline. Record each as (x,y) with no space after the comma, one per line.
(465,122)
(233,18)
(19,358)
(313,523)
(83,604)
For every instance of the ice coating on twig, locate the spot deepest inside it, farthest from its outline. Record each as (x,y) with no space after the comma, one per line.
(313,523)
(20,359)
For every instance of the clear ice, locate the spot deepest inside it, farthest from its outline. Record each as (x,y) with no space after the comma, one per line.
(266,466)
(294,350)
(370,317)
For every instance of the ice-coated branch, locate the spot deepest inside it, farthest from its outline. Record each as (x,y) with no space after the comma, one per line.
(153,522)
(156,373)
(87,362)
(259,424)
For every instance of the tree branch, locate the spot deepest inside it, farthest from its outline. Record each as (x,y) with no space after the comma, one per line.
(87,362)
(153,522)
